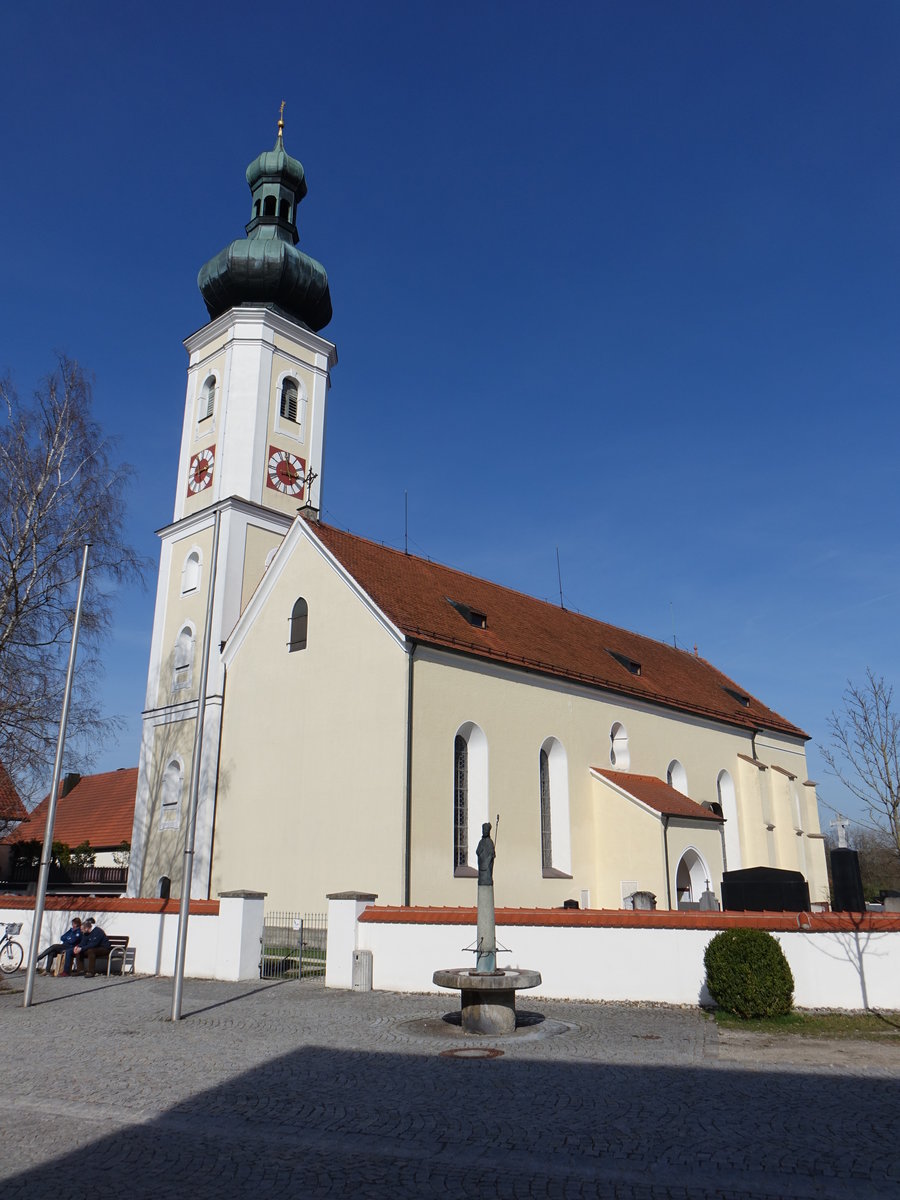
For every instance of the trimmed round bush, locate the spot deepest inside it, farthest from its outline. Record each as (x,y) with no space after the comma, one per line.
(748,975)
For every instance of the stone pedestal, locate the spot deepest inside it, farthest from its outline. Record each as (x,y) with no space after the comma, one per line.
(486,959)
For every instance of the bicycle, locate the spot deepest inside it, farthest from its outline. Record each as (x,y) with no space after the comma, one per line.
(11,953)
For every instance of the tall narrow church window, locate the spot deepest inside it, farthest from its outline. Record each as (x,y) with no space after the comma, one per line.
(284,210)
(556,838)
(460,802)
(269,206)
(299,623)
(170,795)
(470,796)
(208,398)
(184,657)
(676,777)
(289,396)
(546,841)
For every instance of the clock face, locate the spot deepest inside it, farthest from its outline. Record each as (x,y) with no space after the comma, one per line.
(200,472)
(286,472)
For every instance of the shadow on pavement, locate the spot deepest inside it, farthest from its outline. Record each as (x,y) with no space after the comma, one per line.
(320,1122)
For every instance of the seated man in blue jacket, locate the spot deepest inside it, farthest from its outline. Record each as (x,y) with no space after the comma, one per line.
(93,942)
(69,940)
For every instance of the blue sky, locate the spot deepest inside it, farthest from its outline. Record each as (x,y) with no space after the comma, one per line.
(620,279)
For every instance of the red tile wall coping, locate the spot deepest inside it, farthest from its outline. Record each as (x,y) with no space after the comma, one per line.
(575,918)
(199,908)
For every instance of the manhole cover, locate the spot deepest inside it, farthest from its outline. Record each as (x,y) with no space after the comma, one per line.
(472,1052)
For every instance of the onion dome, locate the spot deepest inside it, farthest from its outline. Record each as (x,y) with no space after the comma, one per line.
(265,267)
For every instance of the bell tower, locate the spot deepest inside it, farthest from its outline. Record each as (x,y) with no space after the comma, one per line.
(252,450)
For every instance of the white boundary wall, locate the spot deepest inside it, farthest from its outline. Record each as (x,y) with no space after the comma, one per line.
(834,969)
(219,946)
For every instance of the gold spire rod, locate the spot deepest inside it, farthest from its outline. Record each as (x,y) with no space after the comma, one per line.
(281,120)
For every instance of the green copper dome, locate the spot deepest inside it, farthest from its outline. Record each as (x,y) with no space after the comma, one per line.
(265,267)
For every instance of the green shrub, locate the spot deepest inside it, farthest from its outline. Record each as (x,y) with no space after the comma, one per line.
(747,974)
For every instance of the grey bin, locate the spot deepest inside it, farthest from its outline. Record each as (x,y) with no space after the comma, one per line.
(362,970)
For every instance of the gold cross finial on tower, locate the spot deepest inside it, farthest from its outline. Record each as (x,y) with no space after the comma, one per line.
(281,120)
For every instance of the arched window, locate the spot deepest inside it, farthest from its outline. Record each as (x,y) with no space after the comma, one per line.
(164,887)
(470,796)
(269,206)
(727,798)
(546,829)
(618,747)
(170,795)
(256,208)
(676,777)
(556,846)
(299,622)
(289,398)
(691,878)
(208,398)
(190,573)
(184,657)
(284,210)
(460,802)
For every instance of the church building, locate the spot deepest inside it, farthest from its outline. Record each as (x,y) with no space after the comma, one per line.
(364,710)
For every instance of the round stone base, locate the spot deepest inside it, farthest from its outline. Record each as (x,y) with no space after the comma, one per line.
(487,1012)
(488,1002)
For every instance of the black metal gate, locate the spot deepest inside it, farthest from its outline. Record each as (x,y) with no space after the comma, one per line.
(293,945)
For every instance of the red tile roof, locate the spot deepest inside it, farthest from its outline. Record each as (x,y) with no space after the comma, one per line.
(11,807)
(618,918)
(99,809)
(657,795)
(522,631)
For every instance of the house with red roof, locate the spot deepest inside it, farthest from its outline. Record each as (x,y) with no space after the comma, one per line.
(98,809)
(334,715)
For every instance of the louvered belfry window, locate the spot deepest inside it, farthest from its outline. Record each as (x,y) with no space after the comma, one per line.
(546,845)
(460,802)
(208,401)
(289,400)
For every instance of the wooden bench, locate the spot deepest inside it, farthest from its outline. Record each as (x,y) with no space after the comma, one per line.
(118,952)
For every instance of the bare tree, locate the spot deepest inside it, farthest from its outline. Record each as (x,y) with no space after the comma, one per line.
(864,753)
(60,486)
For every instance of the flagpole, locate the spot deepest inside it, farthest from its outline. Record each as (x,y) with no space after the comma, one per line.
(47,853)
(187,870)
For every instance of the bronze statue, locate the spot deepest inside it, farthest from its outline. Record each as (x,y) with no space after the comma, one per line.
(485,854)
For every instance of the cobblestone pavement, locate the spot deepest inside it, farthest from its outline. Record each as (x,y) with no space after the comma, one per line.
(281,1089)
